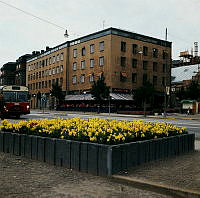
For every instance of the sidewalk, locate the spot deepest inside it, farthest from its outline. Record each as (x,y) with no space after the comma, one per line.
(168,116)
(176,176)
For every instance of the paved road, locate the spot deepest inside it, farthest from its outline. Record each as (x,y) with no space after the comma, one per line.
(192,125)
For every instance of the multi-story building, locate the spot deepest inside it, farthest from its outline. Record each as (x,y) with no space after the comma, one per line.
(8,74)
(126,59)
(20,73)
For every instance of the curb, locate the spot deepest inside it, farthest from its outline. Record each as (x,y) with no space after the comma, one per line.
(156,187)
(119,115)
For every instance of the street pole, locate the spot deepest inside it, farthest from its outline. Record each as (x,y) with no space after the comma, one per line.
(165,89)
(109,105)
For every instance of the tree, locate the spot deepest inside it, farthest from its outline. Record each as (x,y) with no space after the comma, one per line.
(100,91)
(56,91)
(142,94)
(193,91)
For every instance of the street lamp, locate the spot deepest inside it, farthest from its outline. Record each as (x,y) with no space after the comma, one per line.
(34,100)
(84,93)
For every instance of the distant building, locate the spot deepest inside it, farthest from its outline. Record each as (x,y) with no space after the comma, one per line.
(126,59)
(20,73)
(7,76)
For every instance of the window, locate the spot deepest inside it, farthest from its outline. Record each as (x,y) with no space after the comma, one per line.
(155,79)
(54,71)
(145,65)
(83,51)
(155,66)
(144,80)
(61,68)
(163,81)
(134,77)
(58,58)
(82,78)
(155,53)
(123,46)
(74,66)
(82,64)
(50,61)
(43,63)
(134,48)
(74,79)
(53,82)
(123,76)
(61,81)
(91,78)
(91,48)
(45,84)
(62,56)
(39,85)
(101,61)
(49,83)
(91,62)
(164,68)
(36,85)
(123,61)
(134,63)
(42,74)
(47,62)
(37,65)
(145,50)
(58,70)
(75,53)
(101,46)
(164,54)
(50,72)
(42,84)
(40,64)
(54,59)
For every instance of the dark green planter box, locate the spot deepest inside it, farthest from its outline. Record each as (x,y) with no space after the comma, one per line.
(97,159)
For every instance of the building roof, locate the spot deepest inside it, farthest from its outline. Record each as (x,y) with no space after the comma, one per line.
(114,96)
(108,31)
(183,73)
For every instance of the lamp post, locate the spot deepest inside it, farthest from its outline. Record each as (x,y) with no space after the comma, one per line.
(34,101)
(84,93)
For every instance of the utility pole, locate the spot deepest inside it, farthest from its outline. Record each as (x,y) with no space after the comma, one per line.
(165,84)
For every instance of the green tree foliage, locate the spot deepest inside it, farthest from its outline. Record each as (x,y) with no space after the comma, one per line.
(56,91)
(193,91)
(100,91)
(143,94)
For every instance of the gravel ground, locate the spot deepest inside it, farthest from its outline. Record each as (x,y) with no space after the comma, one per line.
(21,177)
(181,171)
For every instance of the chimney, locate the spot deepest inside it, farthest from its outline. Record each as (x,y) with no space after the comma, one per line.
(47,48)
(42,51)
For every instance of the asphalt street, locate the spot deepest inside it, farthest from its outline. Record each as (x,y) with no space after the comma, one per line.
(192,126)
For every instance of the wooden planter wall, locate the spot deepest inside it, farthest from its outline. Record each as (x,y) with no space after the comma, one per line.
(97,159)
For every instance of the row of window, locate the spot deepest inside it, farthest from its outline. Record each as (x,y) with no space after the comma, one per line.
(82,78)
(92,62)
(46,62)
(143,51)
(92,49)
(145,64)
(145,78)
(45,84)
(45,73)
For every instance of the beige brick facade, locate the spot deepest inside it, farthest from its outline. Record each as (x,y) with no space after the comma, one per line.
(126,59)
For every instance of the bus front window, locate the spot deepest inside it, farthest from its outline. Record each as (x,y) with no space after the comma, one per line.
(9,96)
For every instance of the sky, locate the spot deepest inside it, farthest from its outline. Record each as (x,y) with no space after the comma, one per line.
(21,33)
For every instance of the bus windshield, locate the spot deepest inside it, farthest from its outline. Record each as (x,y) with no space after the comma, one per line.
(15,96)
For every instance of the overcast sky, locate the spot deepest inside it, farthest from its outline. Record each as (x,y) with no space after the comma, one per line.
(21,33)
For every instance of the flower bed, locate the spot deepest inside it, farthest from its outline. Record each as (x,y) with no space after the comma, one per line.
(100,147)
(95,130)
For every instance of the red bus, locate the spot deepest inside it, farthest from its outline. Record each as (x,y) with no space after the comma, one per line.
(15,100)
